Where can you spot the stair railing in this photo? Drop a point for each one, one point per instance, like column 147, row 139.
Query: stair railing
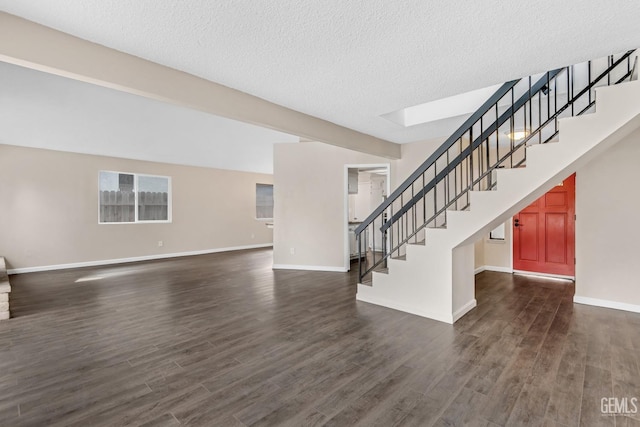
column 520, row 113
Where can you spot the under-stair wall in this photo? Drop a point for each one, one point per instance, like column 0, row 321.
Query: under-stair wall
column 607, row 235
column 436, row 279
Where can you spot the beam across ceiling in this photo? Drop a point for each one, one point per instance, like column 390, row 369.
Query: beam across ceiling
column 35, row 46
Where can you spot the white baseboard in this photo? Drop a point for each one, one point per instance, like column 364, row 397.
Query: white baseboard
column 493, row 268
column 309, row 267
column 441, row 317
column 131, row 259
column 464, row 309
column 607, row 304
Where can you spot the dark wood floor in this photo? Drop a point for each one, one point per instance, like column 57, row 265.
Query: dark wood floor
column 224, row 340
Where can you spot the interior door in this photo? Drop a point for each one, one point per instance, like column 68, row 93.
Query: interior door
column 544, row 232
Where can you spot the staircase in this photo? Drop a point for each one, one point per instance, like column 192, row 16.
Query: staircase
column 529, row 136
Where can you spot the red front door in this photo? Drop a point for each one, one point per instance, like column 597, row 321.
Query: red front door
column 544, row 232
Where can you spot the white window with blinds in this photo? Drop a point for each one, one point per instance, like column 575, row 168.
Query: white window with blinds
column 264, row 201
column 126, row 198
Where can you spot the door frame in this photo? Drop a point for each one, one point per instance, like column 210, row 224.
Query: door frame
column 345, row 201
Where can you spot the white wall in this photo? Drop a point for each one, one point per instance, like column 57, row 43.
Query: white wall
column 478, row 254
column 49, row 210
column 463, row 292
column 607, row 229
column 310, row 198
column 309, row 211
column 413, row 155
column 496, row 254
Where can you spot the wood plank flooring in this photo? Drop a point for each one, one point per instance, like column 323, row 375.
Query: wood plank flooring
column 222, row 340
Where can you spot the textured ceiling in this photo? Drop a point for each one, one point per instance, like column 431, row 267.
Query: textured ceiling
column 46, row 111
column 350, row 61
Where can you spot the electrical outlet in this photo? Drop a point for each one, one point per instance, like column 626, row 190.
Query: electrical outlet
column 292, row 251
column 253, row 236
column 160, row 243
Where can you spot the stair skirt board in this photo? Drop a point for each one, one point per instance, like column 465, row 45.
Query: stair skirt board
column 606, row 304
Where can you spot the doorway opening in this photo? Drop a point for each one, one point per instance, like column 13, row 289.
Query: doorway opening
column 366, row 186
column 544, row 233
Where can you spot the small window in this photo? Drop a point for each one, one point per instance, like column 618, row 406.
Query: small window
column 497, row 233
column 130, row 198
column 264, row 201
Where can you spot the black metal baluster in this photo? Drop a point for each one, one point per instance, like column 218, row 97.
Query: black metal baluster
column 511, row 128
column 447, row 181
column 406, row 226
column 383, row 242
column 435, row 193
column 413, row 211
column 366, row 243
column 469, row 183
column 555, row 95
column 454, row 200
column 548, row 100
column 424, row 204
column 589, row 80
column 571, row 82
column 540, row 115
column 530, row 108
column 481, row 155
column 497, row 143
column 486, row 170
column 400, row 232
column 391, row 246
column 374, row 261
column 359, row 238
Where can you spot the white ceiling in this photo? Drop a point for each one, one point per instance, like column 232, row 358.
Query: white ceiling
column 47, row 111
column 350, row 62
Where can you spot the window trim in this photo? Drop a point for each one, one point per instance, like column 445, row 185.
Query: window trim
column 169, row 219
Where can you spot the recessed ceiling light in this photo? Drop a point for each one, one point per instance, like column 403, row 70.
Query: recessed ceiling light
column 517, row 135
column 89, row 279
